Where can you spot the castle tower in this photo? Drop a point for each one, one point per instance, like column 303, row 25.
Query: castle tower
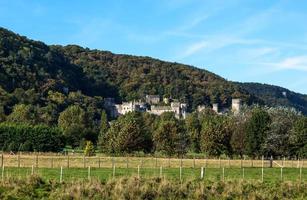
column 236, row 105
column 215, row 107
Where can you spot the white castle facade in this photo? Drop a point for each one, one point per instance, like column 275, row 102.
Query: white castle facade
column 154, row 105
column 151, row 105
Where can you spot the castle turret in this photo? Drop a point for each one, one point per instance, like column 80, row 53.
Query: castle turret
column 215, row 107
column 236, row 105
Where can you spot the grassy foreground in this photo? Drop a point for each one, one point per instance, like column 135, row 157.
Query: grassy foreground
column 35, row 187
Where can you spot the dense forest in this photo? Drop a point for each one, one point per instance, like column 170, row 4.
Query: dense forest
column 59, row 91
column 272, row 95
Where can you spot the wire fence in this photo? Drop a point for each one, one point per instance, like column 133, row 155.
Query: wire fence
column 72, row 167
column 77, row 161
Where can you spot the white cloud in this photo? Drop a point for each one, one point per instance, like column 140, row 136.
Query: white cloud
column 292, row 63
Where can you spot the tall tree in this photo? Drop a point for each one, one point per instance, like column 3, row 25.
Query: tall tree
column 193, row 129
column 23, row 114
column 125, row 135
column 256, row 132
column 298, row 139
column 277, row 140
column 73, row 123
column 215, row 135
column 171, row 137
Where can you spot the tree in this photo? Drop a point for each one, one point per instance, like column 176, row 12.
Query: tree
column 89, row 149
column 298, row 138
column 256, row 131
column 125, row 135
column 2, row 114
column 238, row 137
column 170, row 137
column 215, row 135
column 72, row 121
column 23, row 114
column 104, row 124
column 278, row 138
column 193, row 129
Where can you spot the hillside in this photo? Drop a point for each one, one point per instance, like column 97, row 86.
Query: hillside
column 31, row 65
column 274, row 95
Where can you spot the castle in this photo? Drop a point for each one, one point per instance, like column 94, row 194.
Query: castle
column 154, row 105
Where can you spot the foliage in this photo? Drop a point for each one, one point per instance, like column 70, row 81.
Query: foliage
column 89, row 149
column 24, row 114
column 298, row 138
column 72, row 121
column 22, row 137
column 238, row 137
column 275, row 96
column 125, row 135
column 278, row 136
column 215, row 135
column 256, row 131
column 170, row 137
column 193, row 126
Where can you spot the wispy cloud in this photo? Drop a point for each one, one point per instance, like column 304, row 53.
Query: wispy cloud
column 291, row 63
column 233, row 35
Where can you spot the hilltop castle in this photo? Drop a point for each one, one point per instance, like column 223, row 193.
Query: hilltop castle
column 154, row 105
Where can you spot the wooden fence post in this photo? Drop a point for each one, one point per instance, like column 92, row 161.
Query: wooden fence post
column 84, row 161
column 138, row 171
column 181, row 161
column 300, row 174
column 18, row 160
column 113, row 163
column 156, row 163
column 67, row 160
column 2, row 160
column 169, row 162
column 180, row 173
column 194, row 162
column 223, row 177
column 113, row 171
column 51, row 161
column 202, row 173
column 61, row 175
column 127, row 162
column 262, row 174
column 98, row 161
column 32, row 171
column 89, row 173
column 161, row 171
column 281, row 177
column 36, row 160
column 2, row 172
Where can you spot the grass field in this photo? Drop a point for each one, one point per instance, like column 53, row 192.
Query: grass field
column 75, row 167
column 213, row 174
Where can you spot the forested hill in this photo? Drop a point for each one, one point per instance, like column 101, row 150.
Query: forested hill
column 274, row 95
column 33, row 66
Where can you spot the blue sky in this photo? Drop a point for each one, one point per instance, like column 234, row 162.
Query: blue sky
column 241, row 40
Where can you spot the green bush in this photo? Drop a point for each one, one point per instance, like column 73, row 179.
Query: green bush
column 23, row 137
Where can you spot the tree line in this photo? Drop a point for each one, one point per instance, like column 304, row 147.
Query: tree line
column 255, row 131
